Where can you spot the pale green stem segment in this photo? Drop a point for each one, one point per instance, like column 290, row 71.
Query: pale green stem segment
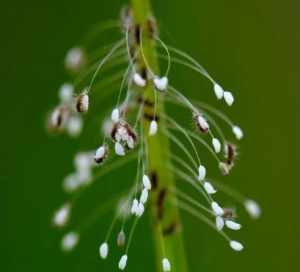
column 158, row 158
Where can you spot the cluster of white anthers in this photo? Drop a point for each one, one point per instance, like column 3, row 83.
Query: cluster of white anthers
column 67, row 116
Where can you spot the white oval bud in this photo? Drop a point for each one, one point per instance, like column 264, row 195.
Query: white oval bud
column 217, row 209
column 166, row 265
column 202, row 124
column 201, row 173
column 219, row 222
column 62, row 216
column 140, row 209
column 232, row 225
column 216, row 145
column 161, row 84
column 237, row 131
column 101, row 153
column 66, row 93
column 209, row 188
column 115, row 115
column 74, row 59
column 119, row 149
column 219, row 92
column 144, row 196
column 146, row 182
column 123, row 262
column 74, row 126
column 252, row 208
column 103, row 250
column 138, row 80
column 82, row 102
column 153, row 128
column 134, row 206
column 237, row 246
column 228, row 97
column 69, row 241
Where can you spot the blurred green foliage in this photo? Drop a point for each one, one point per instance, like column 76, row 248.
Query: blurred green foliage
column 251, row 47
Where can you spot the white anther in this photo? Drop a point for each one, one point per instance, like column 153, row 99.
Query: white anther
column 138, row 80
column 103, row 250
column 228, row 97
column 217, row 145
column 237, row 246
column 219, row 92
column 161, row 84
column 115, row 115
column 74, row 58
column 166, row 265
column 140, row 210
column 134, row 206
column 123, row 262
column 74, row 126
column 119, row 149
column 232, row 225
column 144, row 196
column 62, row 216
column 252, row 208
column 153, row 128
column 237, row 131
column 217, row 208
column 201, row 173
column 202, row 123
column 209, row 188
column 146, row 182
column 100, row 154
column 219, row 222
column 69, row 241
column 82, row 103
column 71, row 183
column 66, row 93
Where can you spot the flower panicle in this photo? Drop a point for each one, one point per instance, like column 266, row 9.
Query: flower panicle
column 124, row 134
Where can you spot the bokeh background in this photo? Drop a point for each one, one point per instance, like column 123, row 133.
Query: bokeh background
column 252, row 47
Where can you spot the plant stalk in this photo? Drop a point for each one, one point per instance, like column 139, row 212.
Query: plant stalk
column 165, row 219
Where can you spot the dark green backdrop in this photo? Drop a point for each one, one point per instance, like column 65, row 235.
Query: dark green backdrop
column 252, row 47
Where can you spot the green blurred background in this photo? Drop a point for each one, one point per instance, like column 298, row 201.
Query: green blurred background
column 251, row 47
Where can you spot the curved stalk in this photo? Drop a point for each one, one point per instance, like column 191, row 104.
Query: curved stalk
column 165, row 215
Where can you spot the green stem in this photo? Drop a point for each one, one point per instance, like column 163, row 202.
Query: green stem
column 166, row 215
